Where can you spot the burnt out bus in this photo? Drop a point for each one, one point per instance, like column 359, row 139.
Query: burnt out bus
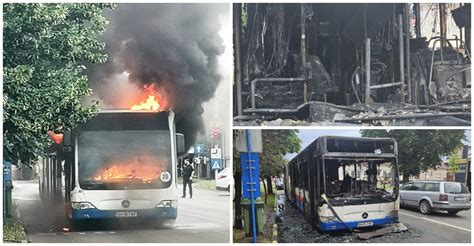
column 345, row 182
column 119, row 164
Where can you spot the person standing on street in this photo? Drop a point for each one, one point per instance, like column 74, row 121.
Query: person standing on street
column 188, row 172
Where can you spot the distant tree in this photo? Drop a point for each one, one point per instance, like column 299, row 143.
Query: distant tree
column 453, row 161
column 46, row 48
column 419, row 150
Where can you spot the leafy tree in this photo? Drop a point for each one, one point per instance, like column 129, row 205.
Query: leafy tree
column 276, row 144
column 46, row 48
column 419, row 150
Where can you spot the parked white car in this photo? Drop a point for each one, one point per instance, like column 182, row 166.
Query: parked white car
column 428, row 196
column 224, row 180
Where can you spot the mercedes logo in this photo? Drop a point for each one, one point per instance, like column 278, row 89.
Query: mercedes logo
column 125, row 203
column 365, row 215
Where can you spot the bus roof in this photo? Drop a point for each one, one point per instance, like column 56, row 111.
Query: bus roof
column 351, row 147
column 123, row 120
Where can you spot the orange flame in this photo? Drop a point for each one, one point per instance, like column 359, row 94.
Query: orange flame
column 146, row 172
column 152, row 101
column 149, row 104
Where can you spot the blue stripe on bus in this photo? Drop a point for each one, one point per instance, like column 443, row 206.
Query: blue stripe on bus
column 94, row 213
column 337, row 225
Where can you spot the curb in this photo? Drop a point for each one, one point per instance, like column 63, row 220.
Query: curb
column 18, row 216
column 275, row 225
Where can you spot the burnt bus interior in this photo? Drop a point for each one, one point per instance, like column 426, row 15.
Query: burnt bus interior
column 354, row 179
column 350, row 63
column 345, row 170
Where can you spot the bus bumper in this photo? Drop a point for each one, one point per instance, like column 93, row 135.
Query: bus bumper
column 154, row 213
column 337, row 225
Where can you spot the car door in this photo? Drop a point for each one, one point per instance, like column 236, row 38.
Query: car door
column 405, row 193
column 412, row 194
column 418, row 191
column 431, row 191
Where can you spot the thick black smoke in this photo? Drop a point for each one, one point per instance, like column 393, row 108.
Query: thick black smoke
column 173, row 46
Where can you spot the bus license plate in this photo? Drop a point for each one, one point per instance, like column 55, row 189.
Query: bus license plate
column 126, row 214
column 365, row 224
column 459, row 199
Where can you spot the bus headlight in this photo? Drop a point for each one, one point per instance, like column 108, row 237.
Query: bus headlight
column 167, row 204
column 82, row 205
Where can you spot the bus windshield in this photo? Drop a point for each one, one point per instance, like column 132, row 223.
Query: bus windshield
column 354, row 180
column 124, row 160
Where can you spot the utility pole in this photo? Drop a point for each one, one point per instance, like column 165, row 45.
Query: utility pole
column 249, row 144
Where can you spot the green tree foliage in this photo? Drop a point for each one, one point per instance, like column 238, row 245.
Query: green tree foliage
column 419, row 150
column 46, row 48
column 276, row 144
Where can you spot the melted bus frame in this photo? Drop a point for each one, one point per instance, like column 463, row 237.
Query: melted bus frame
column 312, row 179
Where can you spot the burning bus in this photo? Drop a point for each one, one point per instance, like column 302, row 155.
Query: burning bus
column 345, row 182
column 119, row 164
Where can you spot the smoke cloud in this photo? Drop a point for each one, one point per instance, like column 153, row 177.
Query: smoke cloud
column 174, row 47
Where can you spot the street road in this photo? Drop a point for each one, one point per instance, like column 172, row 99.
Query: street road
column 438, row 227
column 204, row 218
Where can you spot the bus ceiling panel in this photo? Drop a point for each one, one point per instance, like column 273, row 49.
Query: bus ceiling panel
column 127, row 120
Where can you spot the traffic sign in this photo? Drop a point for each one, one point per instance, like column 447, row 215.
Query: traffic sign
column 216, row 133
column 216, row 164
column 199, row 149
column 216, row 153
column 216, row 124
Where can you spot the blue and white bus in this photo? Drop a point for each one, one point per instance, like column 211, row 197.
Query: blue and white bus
column 119, row 164
column 345, row 182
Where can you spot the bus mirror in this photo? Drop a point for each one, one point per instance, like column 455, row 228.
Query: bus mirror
column 66, row 144
column 180, row 144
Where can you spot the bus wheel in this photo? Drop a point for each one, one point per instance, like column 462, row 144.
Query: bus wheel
column 425, row 207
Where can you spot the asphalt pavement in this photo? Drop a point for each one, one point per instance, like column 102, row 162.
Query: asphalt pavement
column 438, row 227
column 202, row 219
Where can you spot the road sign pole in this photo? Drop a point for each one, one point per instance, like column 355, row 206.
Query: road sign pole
column 254, row 227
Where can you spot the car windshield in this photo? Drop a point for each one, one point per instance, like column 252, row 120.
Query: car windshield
column 124, row 159
column 455, row 188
